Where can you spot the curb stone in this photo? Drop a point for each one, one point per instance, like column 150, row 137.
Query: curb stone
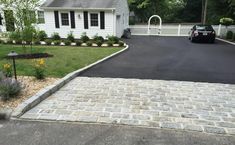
column 47, row 91
column 232, row 43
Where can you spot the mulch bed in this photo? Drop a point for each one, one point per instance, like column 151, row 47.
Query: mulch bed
column 30, row 87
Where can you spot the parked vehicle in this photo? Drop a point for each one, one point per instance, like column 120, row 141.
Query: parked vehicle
column 202, row 33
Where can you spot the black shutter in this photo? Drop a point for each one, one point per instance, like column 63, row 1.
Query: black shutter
column 72, row 19
column 85, row 19
column 102, row 20
column 1, row 19
column 57, row 23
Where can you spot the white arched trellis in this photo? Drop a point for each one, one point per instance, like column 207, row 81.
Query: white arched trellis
column 160, row 23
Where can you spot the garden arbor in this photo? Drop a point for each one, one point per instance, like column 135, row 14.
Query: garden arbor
column 160, row 24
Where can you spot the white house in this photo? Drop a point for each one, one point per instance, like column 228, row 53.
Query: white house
column 95, row 17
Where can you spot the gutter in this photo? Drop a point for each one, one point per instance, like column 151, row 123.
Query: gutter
column 74, row 8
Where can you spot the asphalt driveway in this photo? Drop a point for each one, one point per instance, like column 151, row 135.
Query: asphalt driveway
column 171, row 58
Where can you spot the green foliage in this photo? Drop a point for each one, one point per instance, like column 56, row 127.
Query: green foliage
column 39, row 69
column 67, row 42
column 84, row 38
column 226, row 21
column 229, row 35
column 110, row 43
column 28, row 34
column 48, row 41
column 98, row 38
column 42, row 35
column 233, row 39
column 9, row 88
column 9, row 41
column 57, row 42
column 99, row 42
column 70, row 37
column 37, row 42
column 120, row 43
column 114, row 39
column 78, row 42
column 55, row 36
column 89, row 43
column 7, row 70
column 1, row 41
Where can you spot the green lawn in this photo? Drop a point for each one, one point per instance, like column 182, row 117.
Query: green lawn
column 66, row 58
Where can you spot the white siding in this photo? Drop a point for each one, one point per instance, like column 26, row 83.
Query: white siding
column 49, row 25
column 122, row 16
column 2, row 27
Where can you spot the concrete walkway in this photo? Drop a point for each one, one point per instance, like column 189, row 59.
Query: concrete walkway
column 202, row 107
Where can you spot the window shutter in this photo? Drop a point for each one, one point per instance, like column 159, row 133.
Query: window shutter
column 1, row 19
column 72, row 19
column 57, row 23
column 85, row 13
column 102, row 20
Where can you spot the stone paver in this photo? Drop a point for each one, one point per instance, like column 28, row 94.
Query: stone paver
column 203, row 107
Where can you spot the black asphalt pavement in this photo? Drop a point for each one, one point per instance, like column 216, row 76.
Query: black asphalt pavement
column 45, row 133
column 171, row 58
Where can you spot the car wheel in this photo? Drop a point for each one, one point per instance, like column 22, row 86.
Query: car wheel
column 212, row 41
column 192, row 39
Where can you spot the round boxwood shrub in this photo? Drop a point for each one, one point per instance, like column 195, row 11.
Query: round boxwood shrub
column 55, row 36
column 67, row 42
column 99, row 42
column 98, row 38
column 42, row 35
column 9, row 41
column 70, row 37
column 229, row 35
column 48, row 41
column 114, row 39
column 89, row 43
column 84, row 38
column 57, row 42
column 1, row 41
column 78, row 42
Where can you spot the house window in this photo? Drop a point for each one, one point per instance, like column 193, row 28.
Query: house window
column 65, row 19
column 1, row 18
column 94, row 20
column 41, row 19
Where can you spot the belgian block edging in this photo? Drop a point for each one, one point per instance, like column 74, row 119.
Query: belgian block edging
column 47, row 91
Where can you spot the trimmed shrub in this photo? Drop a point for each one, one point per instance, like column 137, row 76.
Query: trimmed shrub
column 98, row 38
column 48, row 41
column 110, row 43
column 113, row 38
column 84, row 38
column 226, row 21
column 55, row 36
column 120, row 43
column 78, row 42
column 233, row 37
column 37, row 42
column 9, row 88
column 57, row 42
column 16, row 36
column 18, row 42
column 229, row 35
column 99, row 42
column 9, row 42
column 67, row 42
column 42, row 35
column 1, row 41
column 89, row 43
column 70, row 37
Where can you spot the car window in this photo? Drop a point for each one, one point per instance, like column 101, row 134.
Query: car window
column 204, row 28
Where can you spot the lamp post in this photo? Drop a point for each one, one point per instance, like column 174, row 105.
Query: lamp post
column 12, row 55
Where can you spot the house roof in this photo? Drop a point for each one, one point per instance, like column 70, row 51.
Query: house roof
column 83, row 4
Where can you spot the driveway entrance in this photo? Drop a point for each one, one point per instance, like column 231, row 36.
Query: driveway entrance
column 171, row 58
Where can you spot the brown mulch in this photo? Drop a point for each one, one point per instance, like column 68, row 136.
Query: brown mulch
column 30, row 87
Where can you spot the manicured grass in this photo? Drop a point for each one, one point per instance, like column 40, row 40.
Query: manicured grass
column 66, row 58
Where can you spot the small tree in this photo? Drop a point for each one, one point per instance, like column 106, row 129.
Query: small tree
column 226, row 22
column 24, row 17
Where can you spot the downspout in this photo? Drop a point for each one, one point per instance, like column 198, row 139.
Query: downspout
column 114, row 23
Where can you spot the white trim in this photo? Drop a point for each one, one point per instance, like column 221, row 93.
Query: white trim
column 74, row 8
column 60, row 17
column 232, row 43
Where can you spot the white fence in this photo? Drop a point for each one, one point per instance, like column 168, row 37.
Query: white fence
column 173, row 30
